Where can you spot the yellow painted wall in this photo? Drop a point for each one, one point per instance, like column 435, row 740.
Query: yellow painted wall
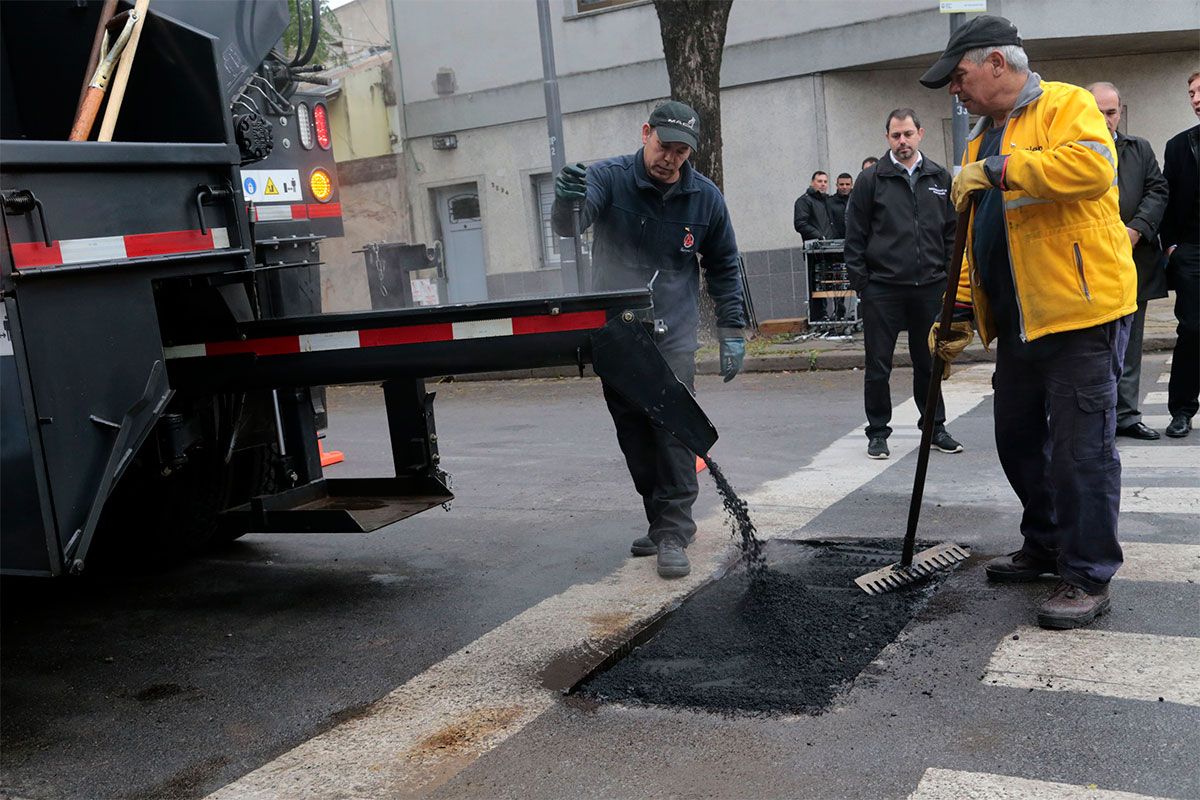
column 358, row 116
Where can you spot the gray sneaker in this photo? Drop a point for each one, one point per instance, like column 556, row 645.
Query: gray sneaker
column 672, row 558
column 946, row 443
column 645, row 546
column 877, row 448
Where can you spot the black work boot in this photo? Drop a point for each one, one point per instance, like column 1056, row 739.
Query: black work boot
column 645, row 546
column 1018, row 567
column 672, row 558
column 1071, row 607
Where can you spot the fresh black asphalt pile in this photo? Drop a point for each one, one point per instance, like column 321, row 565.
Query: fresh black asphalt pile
column 781, row 639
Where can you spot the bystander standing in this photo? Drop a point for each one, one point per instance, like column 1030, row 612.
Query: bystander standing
column 1180, row 234
column 1143, row 198
column 812, row 215
column 899, row 236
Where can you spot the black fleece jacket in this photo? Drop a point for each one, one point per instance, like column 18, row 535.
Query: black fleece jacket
column 896, row 232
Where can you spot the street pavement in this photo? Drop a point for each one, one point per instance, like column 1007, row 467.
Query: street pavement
column 428, row 660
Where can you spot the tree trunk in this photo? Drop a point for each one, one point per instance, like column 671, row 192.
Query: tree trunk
column 693, row 38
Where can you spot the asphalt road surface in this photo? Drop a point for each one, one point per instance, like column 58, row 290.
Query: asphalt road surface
column 428, row 659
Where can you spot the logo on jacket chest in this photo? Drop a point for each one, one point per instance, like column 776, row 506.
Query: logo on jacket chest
column 689, row 241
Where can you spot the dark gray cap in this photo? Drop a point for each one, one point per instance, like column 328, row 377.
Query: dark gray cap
column 676, row 122
column 982, row 31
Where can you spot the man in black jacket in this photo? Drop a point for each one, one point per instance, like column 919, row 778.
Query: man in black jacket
column 1143, row 197
column 899, row 237
column 838, row 202
column 654, row 216
column 812, row 215
column 1180, row 234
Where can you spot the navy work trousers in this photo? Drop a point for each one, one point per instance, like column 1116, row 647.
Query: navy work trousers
column 1056, row 421
column 663, row 469
column 886, row 310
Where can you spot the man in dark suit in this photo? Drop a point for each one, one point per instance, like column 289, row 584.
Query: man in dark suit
column 1143, row 198
column 1180, row 235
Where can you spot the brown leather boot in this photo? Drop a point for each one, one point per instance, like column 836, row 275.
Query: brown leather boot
column 1071, row 607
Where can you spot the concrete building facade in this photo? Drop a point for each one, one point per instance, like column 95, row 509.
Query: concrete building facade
column 364, row 121
column 805, row 85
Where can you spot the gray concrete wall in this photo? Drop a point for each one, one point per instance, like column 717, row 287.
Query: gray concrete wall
column 807, row 86
column 615, row 57
column 494, row 43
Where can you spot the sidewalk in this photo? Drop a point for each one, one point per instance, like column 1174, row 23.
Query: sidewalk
column 806, row 353
column 800, row 354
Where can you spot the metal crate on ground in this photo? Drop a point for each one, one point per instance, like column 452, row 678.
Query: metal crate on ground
column 832, row 304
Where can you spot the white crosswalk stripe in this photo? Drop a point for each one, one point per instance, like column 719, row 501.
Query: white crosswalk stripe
column 1160, row 499
column 1168, row 563
column 1156, row 421
column 1155, row 399
column 1132, row 666
column 949, row 784
column 1183, row 461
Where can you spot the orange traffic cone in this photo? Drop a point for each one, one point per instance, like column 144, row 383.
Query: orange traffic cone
column 330, row 458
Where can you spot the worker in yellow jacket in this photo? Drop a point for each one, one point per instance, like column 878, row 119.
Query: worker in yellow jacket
column 1049, row 276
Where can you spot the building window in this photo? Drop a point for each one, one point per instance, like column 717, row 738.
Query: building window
column 543, row 192
column 584, row 6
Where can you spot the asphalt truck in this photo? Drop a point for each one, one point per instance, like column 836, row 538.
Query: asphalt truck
column 162, row 343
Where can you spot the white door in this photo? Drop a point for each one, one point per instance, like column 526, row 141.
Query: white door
column 462, row 243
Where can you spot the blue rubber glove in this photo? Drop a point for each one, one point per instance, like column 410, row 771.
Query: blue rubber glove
column 571, row 183
column 733, row 353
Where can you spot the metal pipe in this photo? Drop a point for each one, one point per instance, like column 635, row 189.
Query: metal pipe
column 959, row 120
column 567, row 247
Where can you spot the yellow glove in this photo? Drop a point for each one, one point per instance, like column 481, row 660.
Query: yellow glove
column 961, row 335
column 972, row 178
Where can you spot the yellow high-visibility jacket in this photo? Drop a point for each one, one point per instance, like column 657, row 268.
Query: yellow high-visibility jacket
column 1071, row 259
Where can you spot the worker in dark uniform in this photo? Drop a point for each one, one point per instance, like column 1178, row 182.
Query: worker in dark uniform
column 654, row 215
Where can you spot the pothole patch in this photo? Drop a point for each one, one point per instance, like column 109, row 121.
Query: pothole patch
column 786, row 641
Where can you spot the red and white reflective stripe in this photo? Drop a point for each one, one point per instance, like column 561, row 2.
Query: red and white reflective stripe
column 403, row 334
column 31, row 255
column 283, row 212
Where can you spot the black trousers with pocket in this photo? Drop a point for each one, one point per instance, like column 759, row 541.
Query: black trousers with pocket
column 886, row 310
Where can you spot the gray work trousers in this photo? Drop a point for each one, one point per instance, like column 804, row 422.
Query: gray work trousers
column 662, row 468
column 1131, row 375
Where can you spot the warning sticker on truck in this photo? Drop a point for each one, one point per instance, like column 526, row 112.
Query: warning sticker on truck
column 271, row 185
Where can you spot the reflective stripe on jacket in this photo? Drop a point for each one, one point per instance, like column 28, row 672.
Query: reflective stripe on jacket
column 1070, row 256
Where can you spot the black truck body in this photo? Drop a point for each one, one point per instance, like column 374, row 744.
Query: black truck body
column 162, row 340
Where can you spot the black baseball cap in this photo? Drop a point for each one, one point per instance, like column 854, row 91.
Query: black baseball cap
column 676, row 122
column 983, row 31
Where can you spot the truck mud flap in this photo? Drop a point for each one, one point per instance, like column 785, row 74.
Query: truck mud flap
column 626, row 358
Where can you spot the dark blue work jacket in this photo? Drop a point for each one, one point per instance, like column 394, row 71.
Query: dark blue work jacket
column 640, row 231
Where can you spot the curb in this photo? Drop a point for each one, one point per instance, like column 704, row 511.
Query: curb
column 825, row 360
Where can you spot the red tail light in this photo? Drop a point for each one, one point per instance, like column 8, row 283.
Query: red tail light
column 321, row 124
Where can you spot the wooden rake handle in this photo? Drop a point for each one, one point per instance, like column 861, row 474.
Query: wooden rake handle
column 121, row 80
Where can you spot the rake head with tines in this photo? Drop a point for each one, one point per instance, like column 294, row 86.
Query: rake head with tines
column 924, row 564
